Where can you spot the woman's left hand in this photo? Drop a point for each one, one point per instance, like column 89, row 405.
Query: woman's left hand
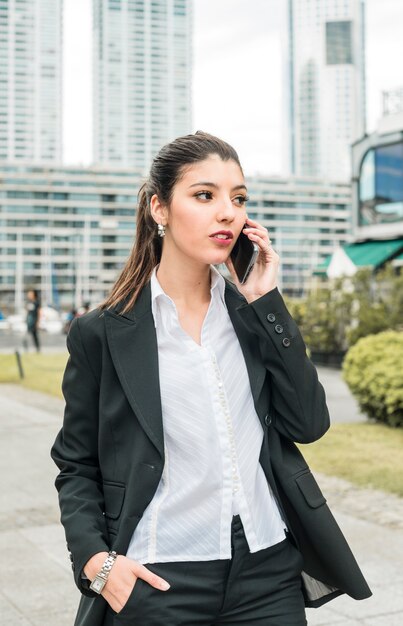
column 263, row 277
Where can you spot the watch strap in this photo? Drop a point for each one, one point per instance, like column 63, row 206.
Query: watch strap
column 101, row 577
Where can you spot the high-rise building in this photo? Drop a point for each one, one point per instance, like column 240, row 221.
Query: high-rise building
column 30, row 80
column 326, row 85
column 142, row 78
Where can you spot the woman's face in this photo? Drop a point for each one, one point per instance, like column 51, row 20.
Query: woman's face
column 207, row 212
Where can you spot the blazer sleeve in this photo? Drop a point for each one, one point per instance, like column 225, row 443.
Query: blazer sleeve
column 298, row 404
column 75, row 452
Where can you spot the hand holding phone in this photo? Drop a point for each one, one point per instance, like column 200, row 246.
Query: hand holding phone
column 243, row 256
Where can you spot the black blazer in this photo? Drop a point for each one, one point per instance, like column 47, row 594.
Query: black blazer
column 110, row 451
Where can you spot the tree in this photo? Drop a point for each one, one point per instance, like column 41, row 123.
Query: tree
column 335, row 316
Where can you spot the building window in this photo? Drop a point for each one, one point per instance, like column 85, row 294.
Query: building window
column 381, row 185
column 339, row 49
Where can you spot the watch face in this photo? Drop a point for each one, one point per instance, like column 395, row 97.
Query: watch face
column 97, row 585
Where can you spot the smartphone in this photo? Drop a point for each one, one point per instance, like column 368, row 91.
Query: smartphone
column 243, row 256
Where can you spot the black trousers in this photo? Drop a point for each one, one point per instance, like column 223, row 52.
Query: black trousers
column 251, row 589
column 34, row 333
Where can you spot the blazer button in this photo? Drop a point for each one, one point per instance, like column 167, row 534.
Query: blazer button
column 267, row 420
column 271, row 318
column 286, row 342
column 278, row 328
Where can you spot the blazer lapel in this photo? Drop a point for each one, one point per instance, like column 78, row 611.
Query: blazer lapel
column 132, row 342
column 133, row 346
column 250, row 347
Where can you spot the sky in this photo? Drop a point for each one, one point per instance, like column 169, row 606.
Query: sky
column 238, row 75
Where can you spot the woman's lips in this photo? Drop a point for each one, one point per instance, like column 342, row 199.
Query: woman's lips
column 222, row 237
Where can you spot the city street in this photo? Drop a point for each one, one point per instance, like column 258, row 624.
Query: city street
column 9, row 341
column 36, row 585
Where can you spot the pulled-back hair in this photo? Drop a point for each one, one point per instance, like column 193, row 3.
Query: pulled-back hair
column 167, row 168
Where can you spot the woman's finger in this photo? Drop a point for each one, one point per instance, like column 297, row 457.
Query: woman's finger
column 264, row 243
column 150, row 578
column 263, row 234
column 254, row 224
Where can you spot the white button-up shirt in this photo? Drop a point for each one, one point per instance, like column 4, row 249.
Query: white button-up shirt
column 213, row 438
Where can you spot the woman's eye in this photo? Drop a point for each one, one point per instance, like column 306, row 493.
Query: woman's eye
column 241, row 200
column 204, row 195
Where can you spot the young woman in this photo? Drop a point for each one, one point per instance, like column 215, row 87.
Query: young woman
column 183, row 496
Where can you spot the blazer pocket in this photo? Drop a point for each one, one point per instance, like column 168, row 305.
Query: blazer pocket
column 310, row 490
column 114, row 494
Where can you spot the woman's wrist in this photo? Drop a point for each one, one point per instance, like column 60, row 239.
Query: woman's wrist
column 94, row 565
column 252, row 297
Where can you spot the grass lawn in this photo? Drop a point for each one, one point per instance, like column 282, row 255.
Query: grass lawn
column 42, row 372
column 366, row 454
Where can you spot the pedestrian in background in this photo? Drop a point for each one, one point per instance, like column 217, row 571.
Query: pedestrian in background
column 69, row 318
column 33, row 308
column 183, row 496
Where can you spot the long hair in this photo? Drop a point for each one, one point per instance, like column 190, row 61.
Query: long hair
column 166, row 170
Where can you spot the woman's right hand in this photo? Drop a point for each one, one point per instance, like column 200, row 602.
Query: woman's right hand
column 122, row 578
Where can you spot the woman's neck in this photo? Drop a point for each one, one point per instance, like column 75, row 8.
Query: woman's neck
column 185, row 283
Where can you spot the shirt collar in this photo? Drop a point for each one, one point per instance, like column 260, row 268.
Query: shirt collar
column 217, row 284
column 217, row 290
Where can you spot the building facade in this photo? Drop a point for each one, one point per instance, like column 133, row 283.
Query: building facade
column 31, row 80
column 68, row 231
column 326, row 84
column 65, row 231
column 377, row 198
column 307, row 219
column 378, row 182
column 142, row 59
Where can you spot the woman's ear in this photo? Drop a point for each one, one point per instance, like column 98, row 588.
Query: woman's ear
column 158, row 210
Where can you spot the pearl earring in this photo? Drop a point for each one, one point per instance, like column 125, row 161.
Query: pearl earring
column 161, row 230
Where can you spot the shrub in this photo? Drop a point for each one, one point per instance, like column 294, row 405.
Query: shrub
column 334, row 316
column 321, row 319
column 373, row 369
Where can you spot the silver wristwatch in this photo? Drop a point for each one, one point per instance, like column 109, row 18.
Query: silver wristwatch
column 100, row 579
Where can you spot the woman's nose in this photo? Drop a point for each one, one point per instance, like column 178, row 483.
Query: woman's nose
column 226, row 210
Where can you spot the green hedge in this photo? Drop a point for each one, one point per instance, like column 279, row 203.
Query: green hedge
column 373, row 369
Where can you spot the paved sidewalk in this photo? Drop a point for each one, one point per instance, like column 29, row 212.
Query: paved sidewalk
column 36, row 585
column 342, row 405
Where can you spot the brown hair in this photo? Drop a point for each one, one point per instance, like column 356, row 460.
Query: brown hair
column 166, row 170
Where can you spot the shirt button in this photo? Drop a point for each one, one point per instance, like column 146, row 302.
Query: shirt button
column 278, row 328
column 267, row 420
column 271, row 318
column 286, row 342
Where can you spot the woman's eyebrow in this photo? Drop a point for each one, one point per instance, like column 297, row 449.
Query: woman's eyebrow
column 215, row 186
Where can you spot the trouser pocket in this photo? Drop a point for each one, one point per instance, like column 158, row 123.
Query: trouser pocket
column 131, row 607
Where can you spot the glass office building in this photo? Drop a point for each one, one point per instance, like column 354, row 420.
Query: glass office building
column 377, row 200
column 380, row 189
column 30, row 80
column 68, row 231
column 326, row 85
column 142, row 59
column 378, row 181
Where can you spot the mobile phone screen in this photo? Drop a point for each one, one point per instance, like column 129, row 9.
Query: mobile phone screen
column 243, row 256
